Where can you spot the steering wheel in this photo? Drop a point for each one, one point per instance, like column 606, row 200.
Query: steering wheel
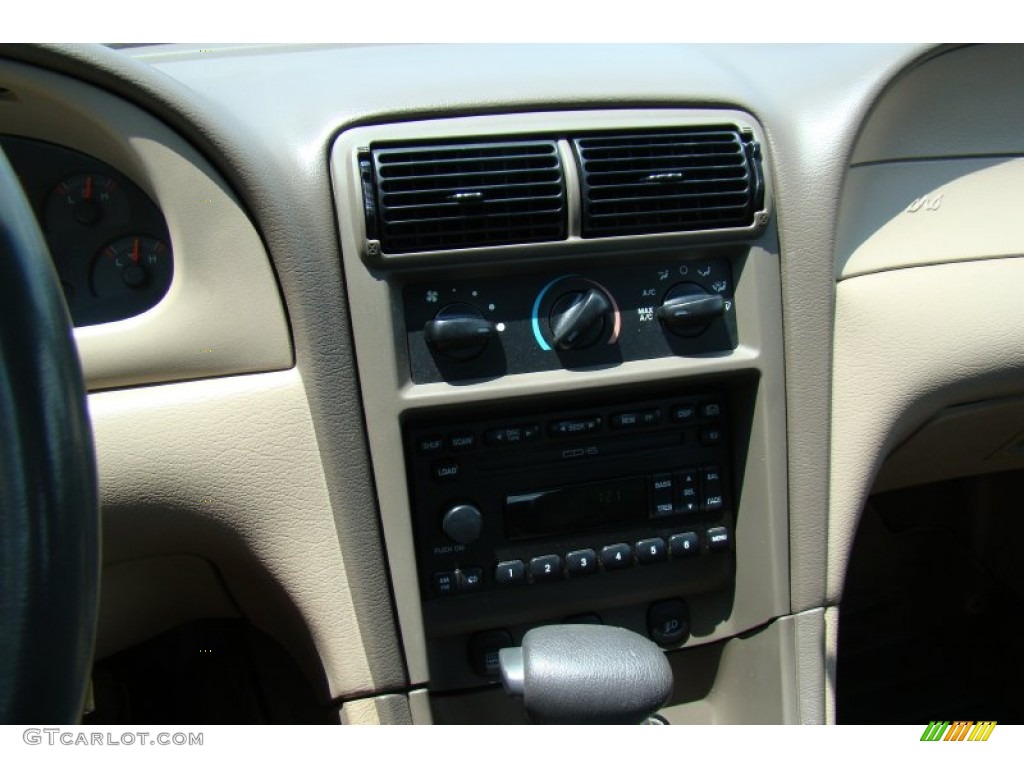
column 49, row 507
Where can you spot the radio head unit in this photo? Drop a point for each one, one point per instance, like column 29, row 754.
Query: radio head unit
column 580, row 509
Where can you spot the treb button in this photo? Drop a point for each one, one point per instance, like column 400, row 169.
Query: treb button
column 663, row 495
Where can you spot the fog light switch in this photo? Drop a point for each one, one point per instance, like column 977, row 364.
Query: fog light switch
column 668, row 622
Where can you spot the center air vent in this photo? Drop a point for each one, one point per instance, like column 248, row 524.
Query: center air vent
column 426, row 198
column 668, row 181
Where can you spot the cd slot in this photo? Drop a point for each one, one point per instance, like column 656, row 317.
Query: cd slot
column 582, row 451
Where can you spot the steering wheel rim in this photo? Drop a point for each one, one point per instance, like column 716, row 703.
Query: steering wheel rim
column 49, row 508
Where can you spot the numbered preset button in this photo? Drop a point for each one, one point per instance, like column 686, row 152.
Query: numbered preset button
column 684, row 545
column 581, row 562
column 510, row 572
column 650, row 550
column 616, row 556
column 546, row 568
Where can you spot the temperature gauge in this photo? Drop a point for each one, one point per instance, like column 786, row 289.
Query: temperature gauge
column 133, row 266
column 86, row 200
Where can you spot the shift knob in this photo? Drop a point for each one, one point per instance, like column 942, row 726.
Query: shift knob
column 587, row 674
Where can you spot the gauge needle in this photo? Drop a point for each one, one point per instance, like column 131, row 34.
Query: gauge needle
column 135, row 250
column 87, row 192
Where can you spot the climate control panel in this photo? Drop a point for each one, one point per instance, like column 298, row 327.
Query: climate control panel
column 460, row 330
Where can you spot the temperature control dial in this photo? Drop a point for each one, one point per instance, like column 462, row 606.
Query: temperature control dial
column 579, row 319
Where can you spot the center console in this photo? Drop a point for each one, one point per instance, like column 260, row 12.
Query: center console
column 568, row 333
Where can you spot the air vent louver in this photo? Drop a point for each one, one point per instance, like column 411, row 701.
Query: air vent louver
column 668, row 181
column 466, row 195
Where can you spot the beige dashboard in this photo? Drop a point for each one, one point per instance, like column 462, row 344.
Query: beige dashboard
column 250, row 427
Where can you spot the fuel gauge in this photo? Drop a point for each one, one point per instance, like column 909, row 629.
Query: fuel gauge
column 136, row 268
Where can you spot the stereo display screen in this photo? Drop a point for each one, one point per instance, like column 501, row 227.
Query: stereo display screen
column 575, row 508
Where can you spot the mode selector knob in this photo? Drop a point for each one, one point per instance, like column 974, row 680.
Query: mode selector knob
column 687, row 309
column 462, row 523
column 578, row 318
column 459, row 332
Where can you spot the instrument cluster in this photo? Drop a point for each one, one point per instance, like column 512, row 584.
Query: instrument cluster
column 108, row 240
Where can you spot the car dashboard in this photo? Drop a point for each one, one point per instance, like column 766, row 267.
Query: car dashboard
column 391, row 369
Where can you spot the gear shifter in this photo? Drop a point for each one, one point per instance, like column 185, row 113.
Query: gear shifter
column 586, row 674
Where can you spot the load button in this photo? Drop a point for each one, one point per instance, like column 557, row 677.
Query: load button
column 446, row 471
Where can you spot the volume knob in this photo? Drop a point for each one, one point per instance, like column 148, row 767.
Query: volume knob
column 462, row 523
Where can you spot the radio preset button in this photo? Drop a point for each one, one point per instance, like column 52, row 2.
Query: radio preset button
column 684, row 544
column 650, row 550
column 430, row 445
column 546, row 568
column 718, row 538
column 616, row 556
column 581, row 562
column 573, row 427
column 462, row 441
column 510, row 572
